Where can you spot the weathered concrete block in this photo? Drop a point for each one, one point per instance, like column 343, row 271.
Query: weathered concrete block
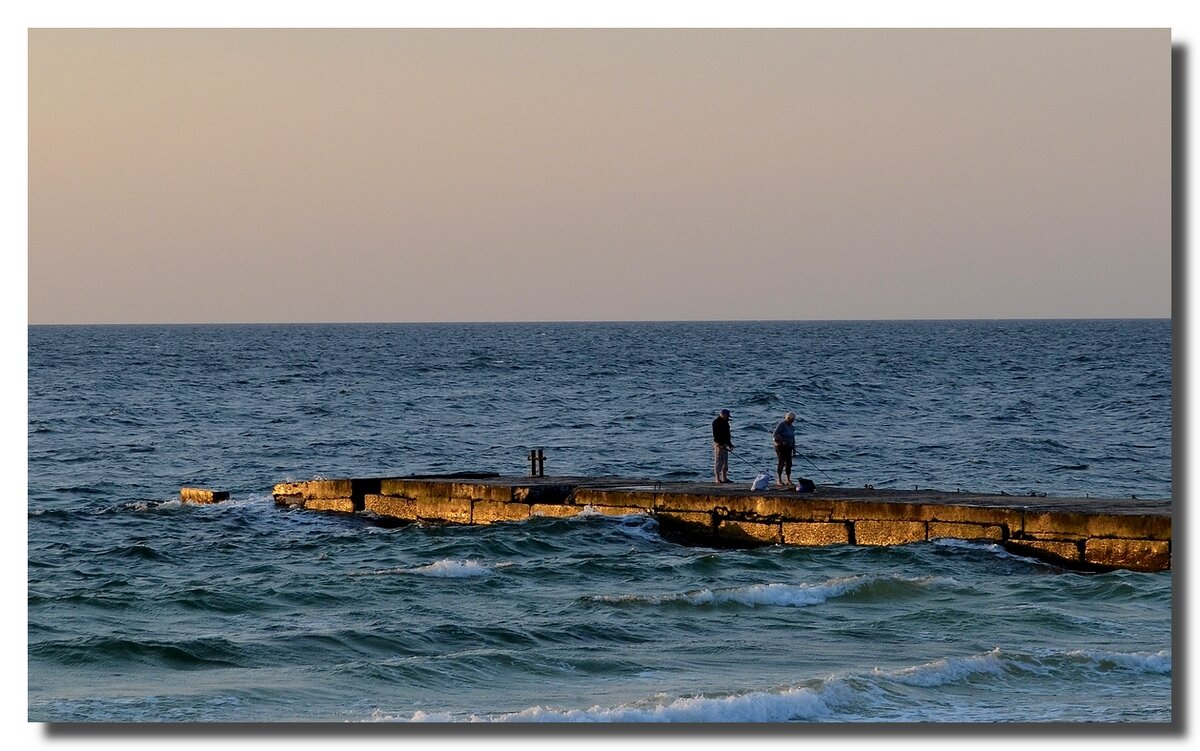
column 486, row 512
column 880, row 511
column 1047, row 549
column 554, row 509
column 743, row 531
column 481, row 492
column 343, row 505
column 202, row 495
column 878, row 532
column 404, row 488
column 628, row 499
column 548, row 494
column 1006, row 517
column 1136, row 555
column 965, row 531
column 316, row 488
column 687, row 502
column 789, row 509
column 1052, row 537
column 693, row 524
column 446, row 510
column 1069, row 524
column 391, row 506
column 803, row 510
column 816, row 533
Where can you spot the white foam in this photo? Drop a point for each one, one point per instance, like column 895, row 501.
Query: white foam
column 641, row 527
column 954, row 542
column 590, row 510
column 450, row 568
column 761, row 706
column 418, row 716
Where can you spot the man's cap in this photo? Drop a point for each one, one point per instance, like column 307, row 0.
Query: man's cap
column 725, row 413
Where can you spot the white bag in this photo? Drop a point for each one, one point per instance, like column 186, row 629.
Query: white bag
column 761, row 482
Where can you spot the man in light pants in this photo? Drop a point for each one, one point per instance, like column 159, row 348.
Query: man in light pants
column 722, row 443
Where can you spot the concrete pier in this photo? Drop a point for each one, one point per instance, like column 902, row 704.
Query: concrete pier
column 1089, row 534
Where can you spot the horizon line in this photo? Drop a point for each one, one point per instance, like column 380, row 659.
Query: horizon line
column 606, row 321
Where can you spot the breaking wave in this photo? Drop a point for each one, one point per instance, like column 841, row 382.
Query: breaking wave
column 850, row 697
column 453, row 569
column 789, row 595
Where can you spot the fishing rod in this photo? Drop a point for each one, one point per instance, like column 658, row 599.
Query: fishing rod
column 805, row 458
column 747, row 461
column 794, row 453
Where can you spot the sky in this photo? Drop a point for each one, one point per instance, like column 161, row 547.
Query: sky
column 324, row 175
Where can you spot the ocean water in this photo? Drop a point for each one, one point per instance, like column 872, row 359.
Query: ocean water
column 144, row 610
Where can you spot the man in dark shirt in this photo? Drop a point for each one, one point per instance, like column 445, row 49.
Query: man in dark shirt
column 722, row 443
column 785, row 446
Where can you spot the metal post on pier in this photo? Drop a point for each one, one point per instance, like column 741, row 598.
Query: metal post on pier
column 537, row 463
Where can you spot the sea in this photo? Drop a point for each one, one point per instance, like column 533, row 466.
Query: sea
column 143, row 610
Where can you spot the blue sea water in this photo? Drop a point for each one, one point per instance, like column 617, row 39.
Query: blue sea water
column 143, row 610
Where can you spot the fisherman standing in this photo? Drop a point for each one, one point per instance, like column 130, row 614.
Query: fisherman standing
column 722, row 445
column 785, row 446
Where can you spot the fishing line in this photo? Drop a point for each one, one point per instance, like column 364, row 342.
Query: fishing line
column 805, row 458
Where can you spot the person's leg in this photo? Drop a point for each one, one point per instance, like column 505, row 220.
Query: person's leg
column 716, row 462
column 787, row 467
column 780, row 460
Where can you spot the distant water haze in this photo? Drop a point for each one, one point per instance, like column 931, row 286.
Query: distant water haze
column 266, row 175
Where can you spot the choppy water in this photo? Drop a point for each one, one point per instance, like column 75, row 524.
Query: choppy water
column 141, row 609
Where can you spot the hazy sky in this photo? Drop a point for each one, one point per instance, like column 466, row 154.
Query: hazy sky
column 499, row 175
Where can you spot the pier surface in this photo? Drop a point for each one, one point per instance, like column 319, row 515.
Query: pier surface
column 1083, row 533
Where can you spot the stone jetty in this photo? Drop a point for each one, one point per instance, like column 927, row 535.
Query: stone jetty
column 1082, row 533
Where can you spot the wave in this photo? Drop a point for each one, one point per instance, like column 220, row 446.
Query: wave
column 48, row 514
column 112, row 651
column 635, row 524
column 947, row 670
column 989, row 547
column 1155, row 663
column 782, row 706
column 141, row 506
column 851, row 697
column 453, row 569
column 139, row 551
column 789, row 595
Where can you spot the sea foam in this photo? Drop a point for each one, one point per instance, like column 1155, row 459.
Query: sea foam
column 453, row 569
column 761, row 706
